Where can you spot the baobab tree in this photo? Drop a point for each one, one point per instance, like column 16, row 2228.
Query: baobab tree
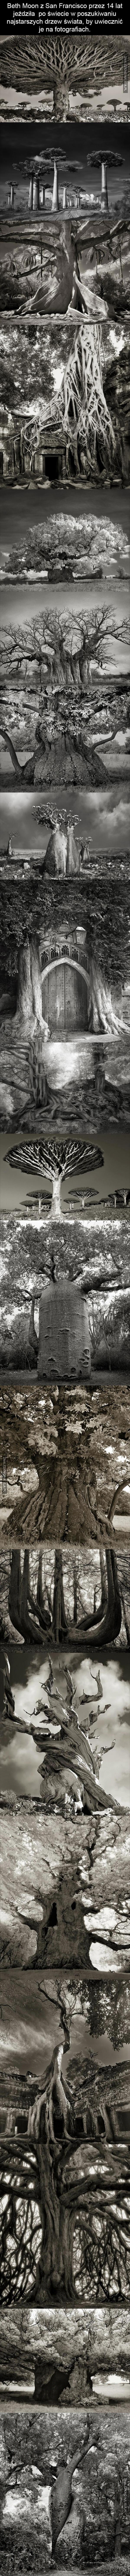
column 23, row 771
column 63, row 660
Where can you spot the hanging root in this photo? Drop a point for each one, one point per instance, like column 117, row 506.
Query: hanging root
column 90, row 437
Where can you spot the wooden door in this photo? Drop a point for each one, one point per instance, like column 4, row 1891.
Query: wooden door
column 64, row 998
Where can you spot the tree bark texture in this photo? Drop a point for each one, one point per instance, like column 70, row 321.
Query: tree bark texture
column 43, row 1435
column 95, row 1254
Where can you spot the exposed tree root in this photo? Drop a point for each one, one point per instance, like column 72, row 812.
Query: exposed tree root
column 91, row 445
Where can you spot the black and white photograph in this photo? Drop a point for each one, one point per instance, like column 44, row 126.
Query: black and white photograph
column 70, row 1600
column 63, row 1754
column 65, row 1463
column 71, row 647
column 65, row 1299
column 67, row 1890
column 65, row 1296
column 72, row 2356
column 65, row 70
column 65, row 222
column 64, row 1001
column 64, row 409
column 67, row 535
column 64, row 2182
column 61, row 2484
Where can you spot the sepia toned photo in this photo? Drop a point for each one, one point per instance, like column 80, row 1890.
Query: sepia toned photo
column 65, row 1294
column 67, row 1463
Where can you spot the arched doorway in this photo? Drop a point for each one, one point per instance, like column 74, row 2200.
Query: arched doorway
column 66, row 998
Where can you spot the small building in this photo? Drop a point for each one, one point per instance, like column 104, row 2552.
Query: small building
column 49, row 456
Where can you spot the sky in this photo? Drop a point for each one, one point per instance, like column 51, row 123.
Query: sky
column 23, row 2040
column 30, row 2041
column 23, row 509
column 103, row 816
column 20, row 606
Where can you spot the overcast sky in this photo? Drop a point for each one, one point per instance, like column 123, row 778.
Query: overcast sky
column 104, row 817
